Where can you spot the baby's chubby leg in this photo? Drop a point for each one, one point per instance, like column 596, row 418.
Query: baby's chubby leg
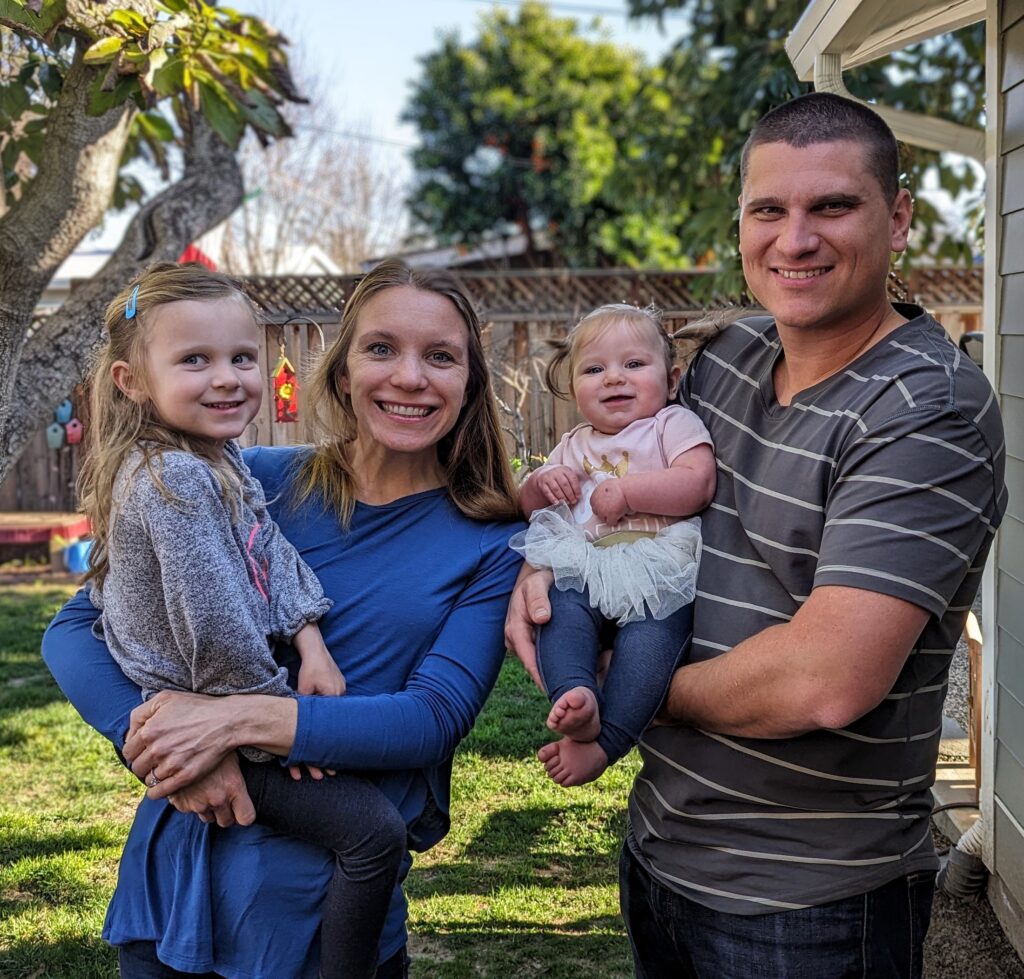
column 576, row 714
column 567, row 652
column 571, row 762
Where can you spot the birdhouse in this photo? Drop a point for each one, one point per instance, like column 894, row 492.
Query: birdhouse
column 55, row 435
column 64, row 411
column 286, row 391
column 73, row 431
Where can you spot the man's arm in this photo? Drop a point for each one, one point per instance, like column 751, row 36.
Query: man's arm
column 833, row 662
column 528, row 607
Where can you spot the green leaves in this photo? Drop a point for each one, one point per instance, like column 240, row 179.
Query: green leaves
column 730, row 67
column 231, row 66
column 528, row 128
column 153, row 58
column 537, row 127
column 36, row 20
column 103, row 51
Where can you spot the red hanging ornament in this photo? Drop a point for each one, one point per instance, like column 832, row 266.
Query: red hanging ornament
column 74, row 431
column 286, row 390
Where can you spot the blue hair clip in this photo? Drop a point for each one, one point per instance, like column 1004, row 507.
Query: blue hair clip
column 129, row 309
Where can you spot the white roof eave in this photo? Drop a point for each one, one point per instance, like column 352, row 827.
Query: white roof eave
column 863, row 30
column 832, row 35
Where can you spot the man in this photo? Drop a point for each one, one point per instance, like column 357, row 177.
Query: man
column 780, row 824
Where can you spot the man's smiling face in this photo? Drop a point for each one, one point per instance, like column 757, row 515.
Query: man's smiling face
column 816, row 233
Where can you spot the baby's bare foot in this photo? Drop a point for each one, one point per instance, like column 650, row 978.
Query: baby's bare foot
column 576, row 715
column 571, row 762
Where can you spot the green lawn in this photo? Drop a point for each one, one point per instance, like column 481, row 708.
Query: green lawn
column 523, row 885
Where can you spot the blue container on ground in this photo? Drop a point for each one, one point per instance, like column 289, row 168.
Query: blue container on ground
column 76, row 556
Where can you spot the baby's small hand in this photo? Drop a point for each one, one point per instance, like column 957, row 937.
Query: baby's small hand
column 608, row 501
column 559, row 484
column 320, row 675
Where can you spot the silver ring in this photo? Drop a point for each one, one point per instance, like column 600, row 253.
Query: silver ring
column 151, row 780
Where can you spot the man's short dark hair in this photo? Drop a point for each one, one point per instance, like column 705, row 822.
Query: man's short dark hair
column 822, row 117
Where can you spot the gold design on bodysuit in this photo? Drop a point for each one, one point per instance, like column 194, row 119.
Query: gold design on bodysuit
column 618, row 469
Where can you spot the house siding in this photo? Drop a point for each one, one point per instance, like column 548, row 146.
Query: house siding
column 1007, row 744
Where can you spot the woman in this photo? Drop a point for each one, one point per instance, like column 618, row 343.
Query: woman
column 403, row 509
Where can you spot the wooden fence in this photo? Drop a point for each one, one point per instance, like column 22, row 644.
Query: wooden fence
column 43, row 479
column 522, row 309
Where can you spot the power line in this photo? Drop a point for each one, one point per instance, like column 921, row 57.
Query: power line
column 573, row 8
column 349, row 134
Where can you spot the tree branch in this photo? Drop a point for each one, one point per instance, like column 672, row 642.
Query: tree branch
column 67, row 198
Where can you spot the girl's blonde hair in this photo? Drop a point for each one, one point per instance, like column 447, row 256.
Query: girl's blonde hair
column 120, row 425
column 477, row 472
column 594, row 324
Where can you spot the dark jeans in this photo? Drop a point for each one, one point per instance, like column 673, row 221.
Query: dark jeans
column 645, row 655
column 878, row 935
column 137, row 960
column 351, row 816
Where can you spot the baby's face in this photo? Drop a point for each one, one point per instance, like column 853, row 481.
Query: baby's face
column 619, row 376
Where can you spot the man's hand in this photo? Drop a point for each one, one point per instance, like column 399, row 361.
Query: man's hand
column 177, row 738
column 219, row 797
column 608, row 501
column 528, row 607
column 558, row 484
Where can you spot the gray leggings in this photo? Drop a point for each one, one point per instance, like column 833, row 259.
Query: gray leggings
column 351, row 816
column 645, row 656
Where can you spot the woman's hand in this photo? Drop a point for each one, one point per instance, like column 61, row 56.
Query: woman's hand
column 528, row 607
column 219, row 797
column 177, row 738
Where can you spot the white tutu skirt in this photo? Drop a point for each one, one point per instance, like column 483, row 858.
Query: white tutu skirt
column 652, row 576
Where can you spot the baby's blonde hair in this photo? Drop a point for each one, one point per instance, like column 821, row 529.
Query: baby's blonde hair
column 594, row 324
column 119, row 424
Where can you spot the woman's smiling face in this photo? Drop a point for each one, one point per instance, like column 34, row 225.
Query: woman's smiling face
column 406, row 371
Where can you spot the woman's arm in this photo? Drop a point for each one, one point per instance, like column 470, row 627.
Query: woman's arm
column 105, row 698
column 86, row 672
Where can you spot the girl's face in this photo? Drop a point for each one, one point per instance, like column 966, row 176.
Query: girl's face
column 202, row 372
column 619, row 375
column 406, row 371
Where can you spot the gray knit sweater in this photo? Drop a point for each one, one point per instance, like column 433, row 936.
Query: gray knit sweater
column 193, row 601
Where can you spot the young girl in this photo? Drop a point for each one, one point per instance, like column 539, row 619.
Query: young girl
column 621, row 556
column 195, row 581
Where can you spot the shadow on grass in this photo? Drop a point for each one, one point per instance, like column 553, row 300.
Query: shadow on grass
column 21, row 843
column 68, row 958
column 592, row 947
column 48, row 881
column 38, row 690
column 511, row 725
column 32, row 695
column 533, row 847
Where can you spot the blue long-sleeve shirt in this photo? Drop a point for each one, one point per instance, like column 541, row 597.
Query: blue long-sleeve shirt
column 420, row 593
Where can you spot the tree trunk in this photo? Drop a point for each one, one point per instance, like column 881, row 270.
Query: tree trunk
column 57, row 355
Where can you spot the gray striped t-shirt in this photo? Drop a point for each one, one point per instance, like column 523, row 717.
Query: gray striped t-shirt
column 887, row 476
